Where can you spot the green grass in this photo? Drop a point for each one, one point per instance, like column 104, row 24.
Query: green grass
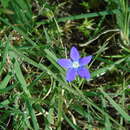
column 34, row 94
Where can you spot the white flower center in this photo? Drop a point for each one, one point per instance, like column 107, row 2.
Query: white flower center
column 75, row 64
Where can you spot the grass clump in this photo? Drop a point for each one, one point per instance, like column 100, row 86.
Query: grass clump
column 34, row 93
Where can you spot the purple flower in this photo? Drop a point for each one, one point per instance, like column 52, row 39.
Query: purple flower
column 76, row 65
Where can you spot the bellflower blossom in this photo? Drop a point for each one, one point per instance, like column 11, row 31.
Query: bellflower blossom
column 76, row 65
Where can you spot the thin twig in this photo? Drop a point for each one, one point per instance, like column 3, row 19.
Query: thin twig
column 89, row 42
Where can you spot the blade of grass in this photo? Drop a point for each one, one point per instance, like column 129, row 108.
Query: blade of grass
column 81, row 16
column 115, row 105
column 5, row 81
column 75, row 127
column 108, row 124
column 60, row 108
column 21, row 78
column 32, row 114
column 4, row 55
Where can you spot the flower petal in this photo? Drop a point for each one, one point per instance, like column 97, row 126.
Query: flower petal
column 66, row 63
column 85, row 60
column 71, row 74
column 74, row 54
column 84, row 73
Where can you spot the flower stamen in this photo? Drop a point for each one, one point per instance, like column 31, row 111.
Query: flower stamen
column 75, row 64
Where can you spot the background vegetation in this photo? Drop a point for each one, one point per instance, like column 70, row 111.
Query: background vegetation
column 33, row 92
